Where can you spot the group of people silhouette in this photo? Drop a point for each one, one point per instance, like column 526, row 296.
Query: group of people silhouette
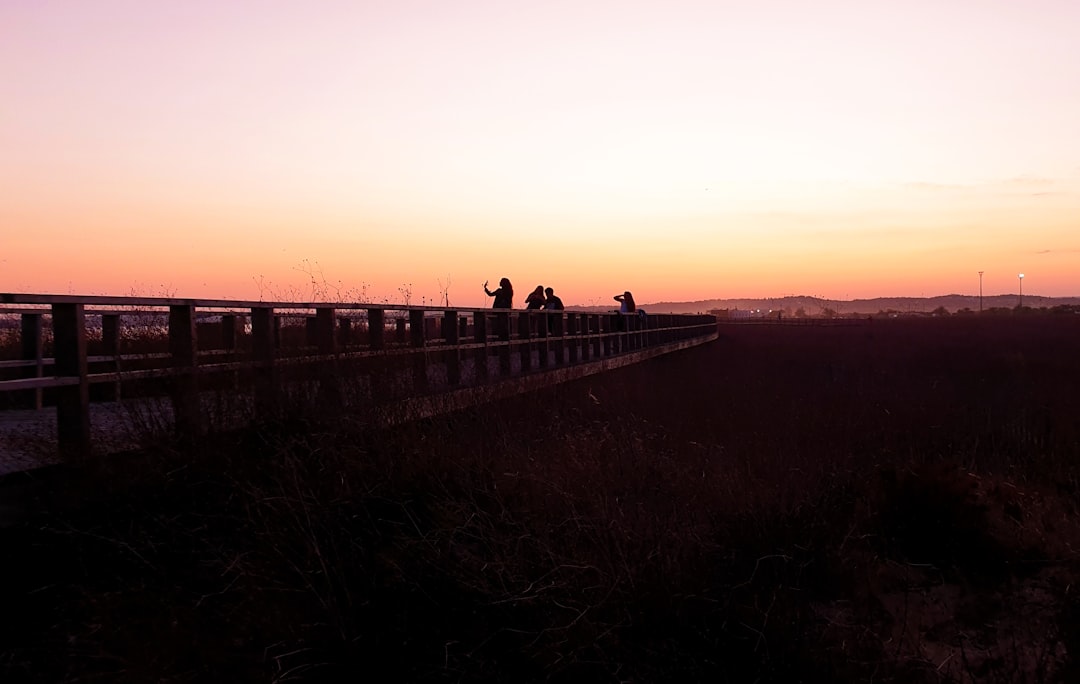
column 545, row 298
column 540, row 298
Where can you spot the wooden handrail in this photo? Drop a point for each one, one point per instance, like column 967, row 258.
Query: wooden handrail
column 458, row 342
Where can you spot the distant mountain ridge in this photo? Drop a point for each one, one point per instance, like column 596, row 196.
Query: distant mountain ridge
column 813, row 306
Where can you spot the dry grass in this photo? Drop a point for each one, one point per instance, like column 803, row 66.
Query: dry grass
column 891, row 502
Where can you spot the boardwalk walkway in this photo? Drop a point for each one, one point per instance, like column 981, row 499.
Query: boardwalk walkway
column 28, row 437
column 403, row 385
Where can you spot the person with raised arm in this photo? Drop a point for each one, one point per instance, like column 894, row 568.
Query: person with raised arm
column 504, row 296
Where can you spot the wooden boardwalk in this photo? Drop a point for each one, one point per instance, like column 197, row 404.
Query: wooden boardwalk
column 205, row 365
column 28, row 437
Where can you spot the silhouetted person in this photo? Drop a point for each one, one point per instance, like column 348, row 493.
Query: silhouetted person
column 504, row 296
column 626, row 306
column 551, row 301
column 535, row 300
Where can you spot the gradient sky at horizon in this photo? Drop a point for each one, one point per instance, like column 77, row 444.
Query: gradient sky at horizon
column 683, row 150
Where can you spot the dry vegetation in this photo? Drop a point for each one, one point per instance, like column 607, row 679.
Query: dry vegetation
column 894, row 501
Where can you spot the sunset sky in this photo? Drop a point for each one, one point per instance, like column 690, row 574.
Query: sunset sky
column 681, row 149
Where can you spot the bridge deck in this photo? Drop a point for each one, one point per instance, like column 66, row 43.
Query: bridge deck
column 28, row 438
column 198, row 366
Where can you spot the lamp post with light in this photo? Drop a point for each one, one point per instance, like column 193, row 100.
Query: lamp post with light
column 980, row 291
column 1021, row 276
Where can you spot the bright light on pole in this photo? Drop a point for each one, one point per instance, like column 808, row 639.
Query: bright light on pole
column 1021, row 276
column 980, row 291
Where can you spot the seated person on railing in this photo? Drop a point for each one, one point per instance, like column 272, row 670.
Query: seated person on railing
column 504, row 296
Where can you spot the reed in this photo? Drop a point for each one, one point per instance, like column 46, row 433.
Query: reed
column 893, row 501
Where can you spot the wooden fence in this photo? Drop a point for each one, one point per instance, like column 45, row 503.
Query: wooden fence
column 106, row 348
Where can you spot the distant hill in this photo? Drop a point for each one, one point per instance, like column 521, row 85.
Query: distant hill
column 814, row 306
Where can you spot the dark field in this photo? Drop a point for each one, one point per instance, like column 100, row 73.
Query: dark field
column 892, row 501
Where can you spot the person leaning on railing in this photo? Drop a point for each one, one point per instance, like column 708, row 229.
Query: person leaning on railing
column 552, row 303
column 535, row 300
column 626, row 306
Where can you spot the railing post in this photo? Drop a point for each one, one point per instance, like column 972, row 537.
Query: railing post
column 326, row 371
column 572, row 336
column 376, row 321
column 452, row 355
column 524, row 348
column 480, row 337
column 183, row 346
column 542, row 324
column 263, row 351
column 379, row 372
column 555, row 324
column 502, row 325
column 585, row 334
column 416, row 341
column 324, row 330
column 110, row 343
column 73, row 401
column 607, row 322
column 32, row 350
column 417, row 333
column 595, row 325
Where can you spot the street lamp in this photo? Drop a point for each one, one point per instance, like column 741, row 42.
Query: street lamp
column 980, row 291
column 1021, row 276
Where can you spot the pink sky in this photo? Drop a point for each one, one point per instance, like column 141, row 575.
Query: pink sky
column 682, row 150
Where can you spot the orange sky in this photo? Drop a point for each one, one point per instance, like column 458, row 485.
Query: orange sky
column 682, row 150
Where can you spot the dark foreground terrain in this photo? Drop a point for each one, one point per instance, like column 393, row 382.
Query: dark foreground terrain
column 894, row 501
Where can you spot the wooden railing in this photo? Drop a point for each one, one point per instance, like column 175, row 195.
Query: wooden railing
column 138, row 346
